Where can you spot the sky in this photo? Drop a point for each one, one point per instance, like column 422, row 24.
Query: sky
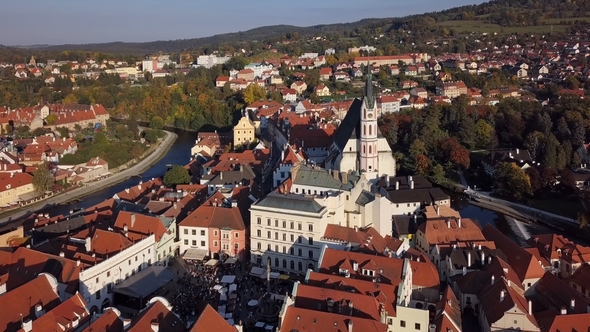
column 54, row 22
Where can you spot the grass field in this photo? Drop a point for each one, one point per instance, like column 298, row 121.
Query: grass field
column 479, row 26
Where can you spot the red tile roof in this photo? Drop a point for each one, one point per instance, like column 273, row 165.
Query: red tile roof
column 298, row 319
column 213, row 214
column 64, row 316
column 209, row 320
column 139, row 225
column 109, row 321
column 441, row 231
column 20, row 303
column 157, row 313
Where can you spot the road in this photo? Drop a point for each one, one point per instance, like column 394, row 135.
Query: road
column 136, row 169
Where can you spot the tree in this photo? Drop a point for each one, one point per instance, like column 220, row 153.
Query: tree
column 43, row 179
column 417, row 148
column 51, row 118
column 452, row 151
column 512, row 182
column 483, row 132
column 176, row 175
column 438, row 173
column 157, row 123
column 422, row 164
column 151, row 135
column 253, row 93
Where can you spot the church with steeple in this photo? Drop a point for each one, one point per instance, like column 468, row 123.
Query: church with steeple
column 358, row 143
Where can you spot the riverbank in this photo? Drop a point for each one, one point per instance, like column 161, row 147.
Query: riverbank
column 158, row 153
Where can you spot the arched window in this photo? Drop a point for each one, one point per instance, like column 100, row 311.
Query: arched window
column 370, row 149
column 276, row 262
column 284, row 263
column 364, row 114
column 364, row 130
column 370, row 130
column 300, row 266
column 292, row 265
column 364, row 149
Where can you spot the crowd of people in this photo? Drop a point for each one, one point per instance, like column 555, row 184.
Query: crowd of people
column 202, row 281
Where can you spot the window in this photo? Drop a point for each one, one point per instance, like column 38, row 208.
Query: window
column 284, row 224
column 98, row 295
column 194, row 232
column 202, row 243
column 136, row 258
column 299, row 252
column 291, row 251
column 268, row 247
column 417, row 326
column 292, row 238
column 97, row 280
column 284, row 250
column 268, row 222
column 108, row 274
column 202, row 232
column 276, row 222
column 215, row 243
column 299, row 227
column 310, row 227
column 292, row 265
column 276, row 248
column 236, row 246
column 276, row 235
column 215, row 233
column 389, row 321
column 310, row 253
column 408, row 204
column 186, row 231
column 268, row 234
column 300, row 266
column 402, row 323
column 276, row 262
column 292, row 225
column 186, row 242
column 194, row 242
column 258, row 233
column 310, row 241
column 284, row 263
column 258, row 246
column 259, row 221
column 236, row 235
column 284, row 237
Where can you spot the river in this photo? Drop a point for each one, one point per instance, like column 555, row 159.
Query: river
column 179, row 154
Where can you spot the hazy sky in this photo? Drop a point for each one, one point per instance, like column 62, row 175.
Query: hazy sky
column 28, row 22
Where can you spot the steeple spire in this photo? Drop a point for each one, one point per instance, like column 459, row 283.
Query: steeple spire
column 369, row 96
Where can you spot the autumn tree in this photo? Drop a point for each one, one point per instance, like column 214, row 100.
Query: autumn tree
column 450, row 150
column 253, row 93
column 512, row 181
column 422, row 164
column 42, row 178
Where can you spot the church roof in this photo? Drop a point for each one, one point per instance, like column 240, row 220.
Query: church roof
column 349, row 128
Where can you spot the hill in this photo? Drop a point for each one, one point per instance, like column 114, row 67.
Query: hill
column 497, row 16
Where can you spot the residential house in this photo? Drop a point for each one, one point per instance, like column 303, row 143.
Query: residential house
column 451, row 89
column 289, row 95
column 15, row 187
column 325, row 74
column 322, row 91
column 520, row 157
column 246, row 74
column 216, row 227
column 299, row 86
column 388, row 104
column 244, row 132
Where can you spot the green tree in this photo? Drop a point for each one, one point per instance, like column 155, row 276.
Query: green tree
column 157, row 123
column 176, row 175
column 151, row 135
column 483, row 132
column 42, row 178
column 512, row 181
column 438, row 173
column 51, row 118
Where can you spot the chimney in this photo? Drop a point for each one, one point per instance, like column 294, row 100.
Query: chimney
column 493, row 279
column 155, row 326
column 335, row 173
column 502, row 295
column 132, row 220
column 355, row 266
column 412, row 184
column 483, row 258
column 344, row 177
column 517, row 151
column 220, row 175
column 78, row 262
column 573, row 304
column 350, row 325
column 468, row 259
column 437, row 210
column 61, row 254
column 563, row 310
column 432, row 328
column 126, row 323
column 386, row 181
column 464, row 270
column 27, row 325
column 396, row 185
column 351, row 307
column 458, row 222
column 282, row 155
column 88, row 244
column 39, row 310
column 448, row 223
column 530, row 307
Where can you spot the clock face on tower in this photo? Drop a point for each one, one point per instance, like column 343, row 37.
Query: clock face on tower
column 370, row 115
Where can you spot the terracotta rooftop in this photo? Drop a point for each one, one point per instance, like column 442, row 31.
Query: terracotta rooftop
column 109, row 321
column 139, row 225
column 208, row 319
column 298, row 319
column 63, row 317
column 156, row 313
column 450, row 231
column 214, row 214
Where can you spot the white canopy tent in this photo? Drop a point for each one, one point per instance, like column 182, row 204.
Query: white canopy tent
column 256, row 271
column 217, row 287
column 233, row 288
column 212, row 262
column 259, row 324
column 195, row 254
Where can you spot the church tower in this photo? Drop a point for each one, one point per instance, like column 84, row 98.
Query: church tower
column 369, row 154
